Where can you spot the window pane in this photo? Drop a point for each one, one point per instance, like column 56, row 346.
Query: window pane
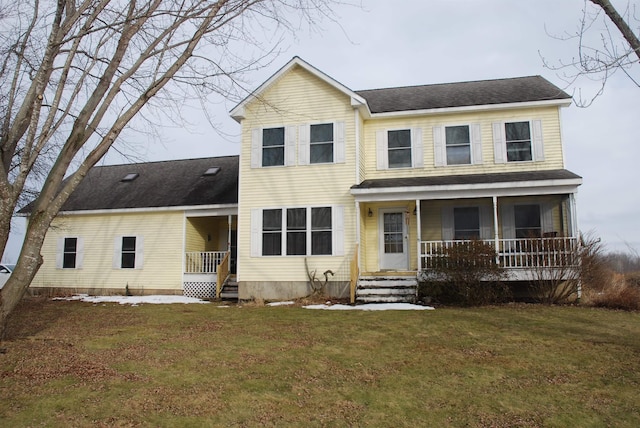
column 517, row 131
column 400, row 138
column 129, row 243
column 128, row 260
column 393, row 233
column 296, row 243
column 271, row 220
column 273, row 156
column 458, row 155
column 520, row 151
column 69, row 261
column 322, row 133
column 466, row 222
column 271, row 243
column 456, row 135
column 399, row 158
column 321, row 243
column 297, row 219
column 273, row 137
column 321, row 218
column 321, row 153
column 70, row 245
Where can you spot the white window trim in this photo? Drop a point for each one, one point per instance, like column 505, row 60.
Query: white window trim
column 290, row 135
column 337, row 231
column 117, row 252
column 440, row 144
column 382, row 148
column 500, row 141
column 486, row 221
column 304, row 143
column 79, row 252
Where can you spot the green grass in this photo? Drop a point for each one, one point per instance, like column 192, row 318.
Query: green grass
column 78, row 364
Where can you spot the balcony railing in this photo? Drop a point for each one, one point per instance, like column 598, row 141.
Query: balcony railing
column 512, row 253
column 203, row 261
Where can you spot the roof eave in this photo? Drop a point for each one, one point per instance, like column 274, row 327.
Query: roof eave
column 484, row 107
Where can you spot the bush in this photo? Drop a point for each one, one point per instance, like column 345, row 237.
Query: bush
column 620, row 294
column 464, row 273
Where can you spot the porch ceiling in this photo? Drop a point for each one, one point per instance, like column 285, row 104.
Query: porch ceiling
column 558, row 181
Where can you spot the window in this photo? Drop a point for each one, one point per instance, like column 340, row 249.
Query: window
column 271, row 232
column 399, row 148
column 518, row 141
column 458, row 145
column 527, row 221
column 128, row 259
column 307, row 231
column 273, row 146
column 70, row 252
column 321, row 143
column 466, row 222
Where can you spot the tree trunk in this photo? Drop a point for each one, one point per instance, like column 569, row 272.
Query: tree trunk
column 621, row 24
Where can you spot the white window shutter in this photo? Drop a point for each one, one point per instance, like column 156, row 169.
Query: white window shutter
column 476, row 143
column 547, row 218
column 382, row 149
column 256, row 148
column 303, row 144
column 117, row 252
column 290, row 145
column 256, row 232
column 417, row 148
column 139, row 263
column 337, row 227
column 499, row 143
column 538, row 146
column 447, row 224
column 486, row 222
column 79, row 253
column 439, row 149
column 59, row 253
column 338, row 142
column 508, row 222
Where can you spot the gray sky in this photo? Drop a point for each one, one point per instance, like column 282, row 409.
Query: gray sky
column 411, row 42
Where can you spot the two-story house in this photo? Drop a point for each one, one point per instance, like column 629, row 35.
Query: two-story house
column 379, row 181
column 369, row 185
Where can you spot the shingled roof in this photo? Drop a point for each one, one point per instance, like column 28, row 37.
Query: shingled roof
column 158, row 184
column 463, row 94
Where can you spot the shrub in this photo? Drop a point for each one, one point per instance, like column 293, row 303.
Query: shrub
column 464, row 273
column 620, row 294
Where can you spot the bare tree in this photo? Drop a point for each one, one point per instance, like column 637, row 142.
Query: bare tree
column 603, row 50
column 75, row 73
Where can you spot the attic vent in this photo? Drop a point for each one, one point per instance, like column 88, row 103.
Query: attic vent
column 212, row 171
column 130, row 177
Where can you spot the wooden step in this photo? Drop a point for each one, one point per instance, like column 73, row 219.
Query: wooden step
column 229, row 291
column 386, row 289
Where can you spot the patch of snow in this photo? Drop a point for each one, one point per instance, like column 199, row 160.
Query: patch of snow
column 373, row 307
column 133, row 300
column 280, row 303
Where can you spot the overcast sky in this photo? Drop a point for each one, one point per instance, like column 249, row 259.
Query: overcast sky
column 411, row 42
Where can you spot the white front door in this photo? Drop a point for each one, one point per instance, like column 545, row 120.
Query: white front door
column 394, row 254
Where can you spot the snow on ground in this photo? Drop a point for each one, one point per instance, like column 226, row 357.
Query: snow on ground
column 373, row 307
column 281, row 303
column 133, row 300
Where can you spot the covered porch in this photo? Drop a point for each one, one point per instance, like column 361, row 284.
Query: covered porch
column 528, row 218
column 210, row 252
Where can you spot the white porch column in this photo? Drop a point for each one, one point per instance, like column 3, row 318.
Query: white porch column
column 229, row 223
column 419, row 233
column 496, row 235
column 358, row 226
column 573, row 217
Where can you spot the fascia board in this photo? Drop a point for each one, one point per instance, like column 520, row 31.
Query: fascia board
column 479, row 108
column 458, row 191
column 231, row 208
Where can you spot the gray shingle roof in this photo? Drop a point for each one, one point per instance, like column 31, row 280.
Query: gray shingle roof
column 159, row 184
column 463, row 94
column 555, row 174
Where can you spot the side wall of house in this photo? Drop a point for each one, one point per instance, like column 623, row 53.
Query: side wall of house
column 160, row 259
column 298, row 99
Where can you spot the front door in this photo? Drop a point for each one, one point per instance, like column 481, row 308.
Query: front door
column 393, row 240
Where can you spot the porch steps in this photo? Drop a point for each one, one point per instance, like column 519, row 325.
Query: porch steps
column 229, row 290
column 386, row 289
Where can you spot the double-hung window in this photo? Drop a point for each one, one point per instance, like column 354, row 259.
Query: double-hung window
column 128, row 252
column 273, row 146
column 458, row 144
column 297, row 231
column 321, row 143
column 69, row 253
column 518, row 141
column 527, row 221
column 466, row 221
column 399, row 148
column 128, row 256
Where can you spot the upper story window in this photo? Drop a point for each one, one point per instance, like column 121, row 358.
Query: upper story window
column 273, row 146
column 457, row 145
column 400, row 148
column 518, row 141
column 297, row 231
column 321, row 143
column 69, row 254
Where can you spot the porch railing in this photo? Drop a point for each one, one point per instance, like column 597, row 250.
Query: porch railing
column 203, row 261
column 512, row 253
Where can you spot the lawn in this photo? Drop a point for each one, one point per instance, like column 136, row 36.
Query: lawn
column 80, row 364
